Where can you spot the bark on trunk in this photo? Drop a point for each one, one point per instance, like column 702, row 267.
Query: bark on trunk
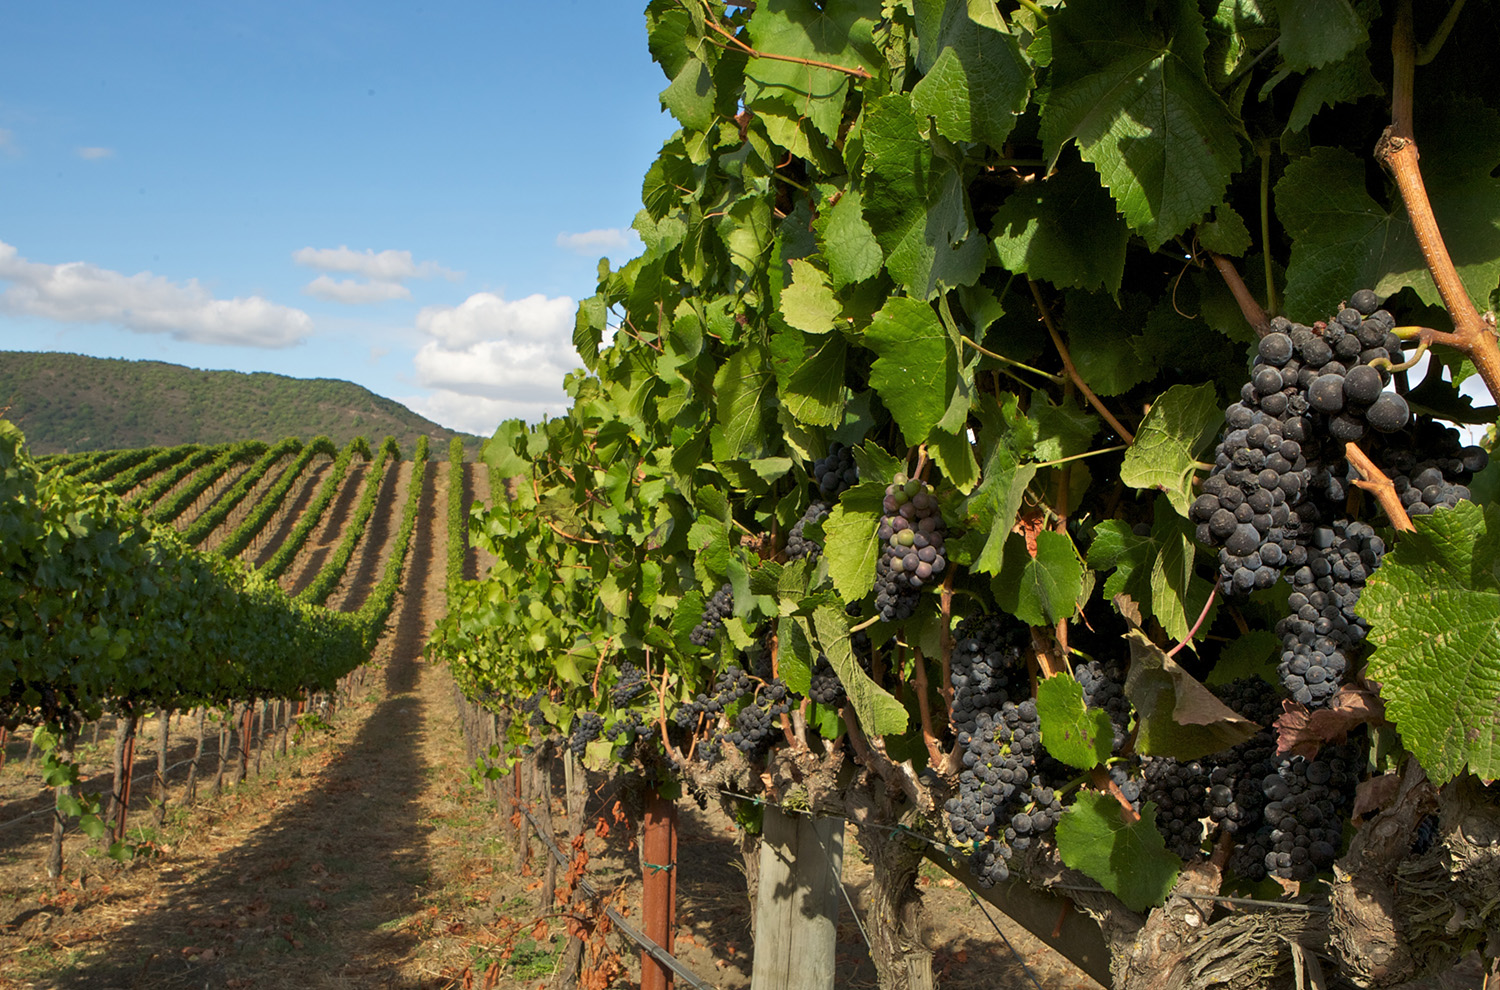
column 54, row 862
column 159, row 785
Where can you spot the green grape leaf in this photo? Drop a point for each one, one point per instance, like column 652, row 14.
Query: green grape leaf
column 851, row 549
column 1040, row 590
column 1434, row 613
column 837, row 33
column 994, row 504
column 1343, row 81
column 808, row 303
column 879, row 713
column 1154, row 570
column 1129, row 89
column 978, row 84
column 1130, row 859
column 1078, row 735
column 1175, row 715
column 1063, row 229
column 794, row 654
column 814, row 392
column 1226, row 233
column 1061, row 430
column 744, row 386
column 913, row 373
column 1180, row 424
column 848, row 243
column 1251, row 654
column 1316, row 32
column 1104, row 351
column 1342, row 239
column 917, row 202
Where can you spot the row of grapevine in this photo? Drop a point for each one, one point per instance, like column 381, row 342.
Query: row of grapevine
column 127, row 481
column 458, row 544
column 256, row 519
column 108, row 468
column 244, row 452
column 376, row 608
column 332, row 571
column 888, row 465
column 157, row 488
column 209, row 520
column 310, row 519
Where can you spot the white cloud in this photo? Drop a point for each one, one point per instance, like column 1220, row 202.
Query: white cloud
column 94, row 154
column 8, row 144
column 355, row 292
column 606, row 240
column 491, row 358
column 78, row 292
column 383, row 266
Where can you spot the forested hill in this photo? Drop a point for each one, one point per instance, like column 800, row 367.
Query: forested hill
column 66, row 402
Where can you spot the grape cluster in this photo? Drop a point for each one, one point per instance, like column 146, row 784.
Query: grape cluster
column 757, row 724
column 1323, row 630
column 629, row 727
column 1103, row 684
column 912, row 545
column 835, row 473
column 730, row 686
column 718, row 608
column 586, row 728
column 1180, row 792
column 1306, row 804
column 987, row 668
column 532, row 709
column 826, row 688
column 799, row 546
column 1438, row 477
column 628, row 686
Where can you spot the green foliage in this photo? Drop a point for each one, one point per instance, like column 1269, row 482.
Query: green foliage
column 1080, row 736
column 1129, row 858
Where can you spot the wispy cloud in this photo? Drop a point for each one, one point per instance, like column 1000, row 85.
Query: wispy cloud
column 80, row 292
column 8, row 146
column 94, row 154
column 384, row 271
column 491, row 358
column 606, row 240
column 383, row 266
column 355, row 292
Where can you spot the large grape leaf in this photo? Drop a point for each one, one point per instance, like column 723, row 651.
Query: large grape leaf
column 1316, row 32
column 1130, row 89
column 850, row 546
column 1129, row 858
column 914, row 373
column 978, row 83
column 1434, row 614
column 808, row 303
column 1175, row 715
column 744, row 386
column 837, row 32
column 994, row 504
column 1064, row 229
column 847, row 242
column 879, row 713
column 917, row 202
column 1044, row 589
column 1342, row 239
column 1179, row 425
column 1105, row 351
column 1080, row 736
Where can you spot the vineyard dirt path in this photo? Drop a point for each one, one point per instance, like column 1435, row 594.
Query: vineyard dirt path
column 366, row 859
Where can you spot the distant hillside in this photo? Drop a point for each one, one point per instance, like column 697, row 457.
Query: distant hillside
column 68, row 403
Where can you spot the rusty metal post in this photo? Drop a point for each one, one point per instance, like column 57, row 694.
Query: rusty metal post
column 659, row 886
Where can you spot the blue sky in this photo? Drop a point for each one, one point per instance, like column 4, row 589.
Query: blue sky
column 412, row 198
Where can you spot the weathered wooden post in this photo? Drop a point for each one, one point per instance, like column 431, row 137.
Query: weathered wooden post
column 797, row 901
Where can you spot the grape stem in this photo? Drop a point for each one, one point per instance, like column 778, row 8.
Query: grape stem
column 945, row 640
column 1017, row 364
column 712, row 21
column 1374, row 481
column 1397, row 151
column 1254, row 314
column 872, row 754
column 934, row 748
column 661, row 713
column 1067, row 360
column 1105, row 783
column 1088, row 453
column 795, row 740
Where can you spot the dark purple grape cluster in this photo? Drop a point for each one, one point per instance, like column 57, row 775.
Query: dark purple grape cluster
column 1307, row 802
column 757, row 725
column 628, row 686
column 1103, row 684
column 1323, row 629
column 826, row 688
column 586, row 728
column 798, row 545
column 1180, row 792
column 627, row 728
column 532, row 709
column 835, row 472
column 911, row 547
column 1434, row 470
column 730, row 686
column 719, row 608
column 987, row 667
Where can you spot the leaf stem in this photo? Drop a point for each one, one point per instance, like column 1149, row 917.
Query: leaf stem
column 919, row 668
column 1272, row 303
column 1212, row 594
column 1373, row 480
column 1001, row 357
column 713, row 22
column 1087, row 453
column 1035, row 8
column 1067, row 361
